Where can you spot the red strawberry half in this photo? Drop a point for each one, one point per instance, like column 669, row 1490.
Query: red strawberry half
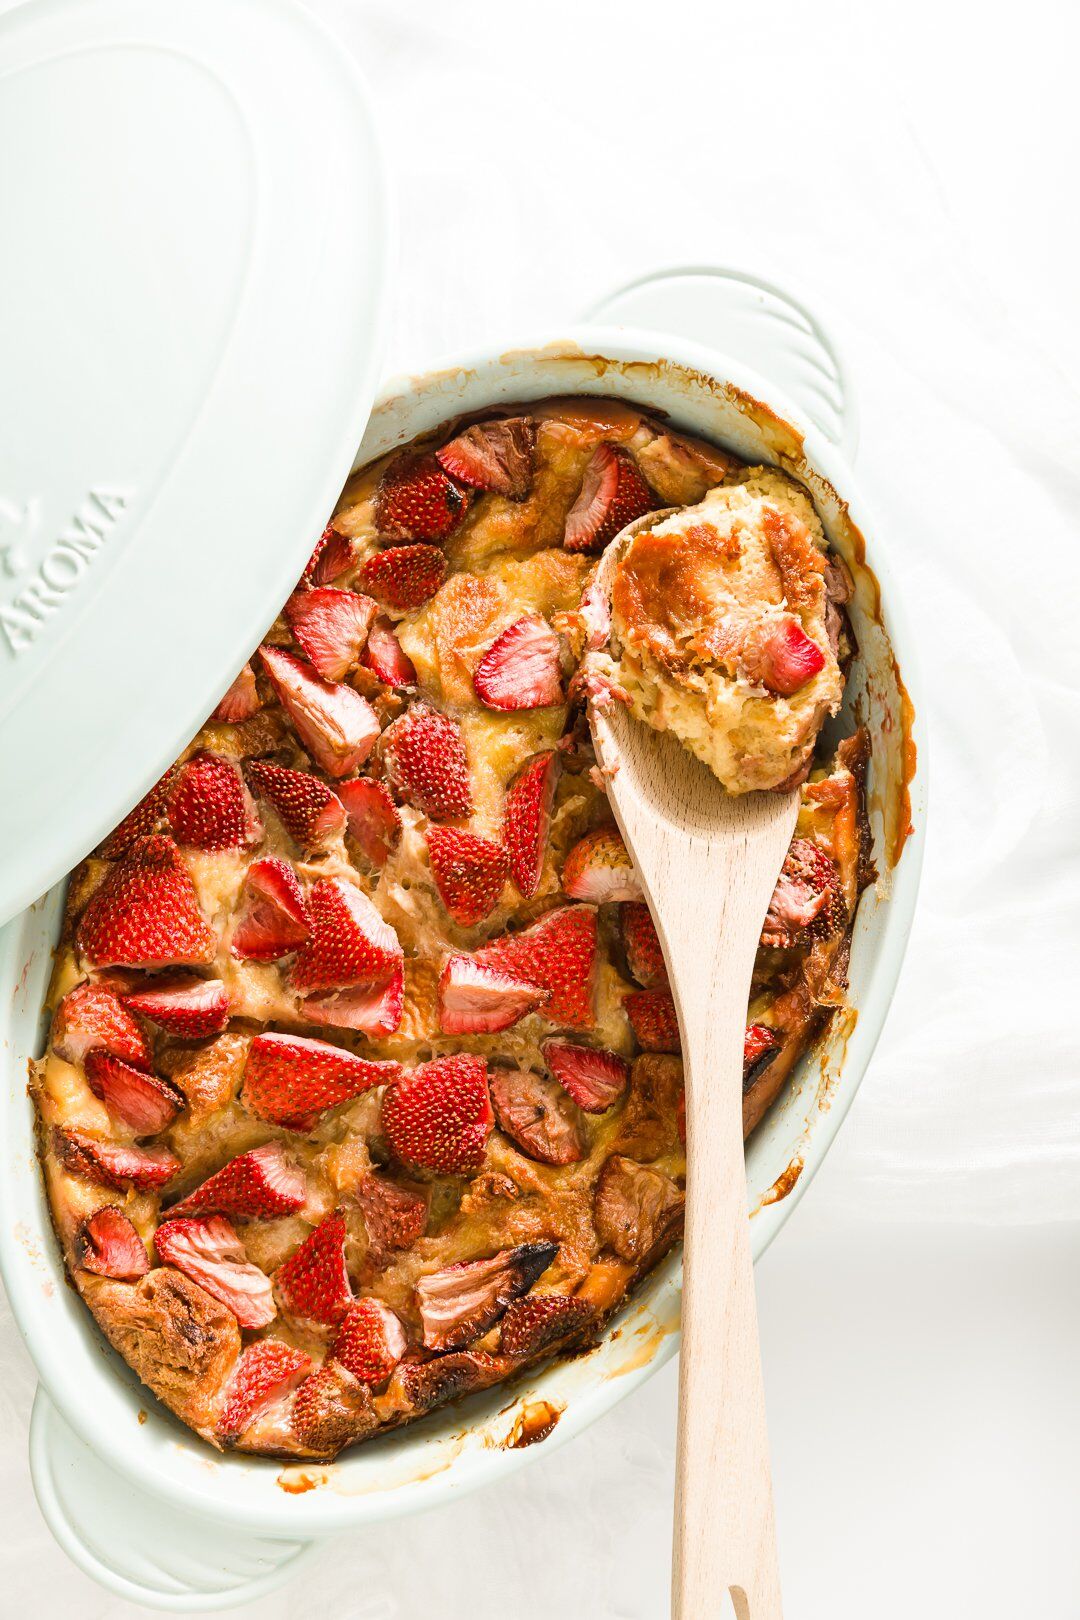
column 332, row 555
column 330, row 626
column 144, row 1101
column 417, row 500
column 208, row 808
column 146, row 817
column 557, row 954
column 385, row 658
column 527, row 819
column 493, row 455
column 469, row 872
column 373, row 1009
column 593, row 1076
column 462, row 1301
column 806, row 902
column 336, row 725
column 438, row 1116
column 207, row 1250
column 373, row 818
column 314, row 1281
column 598, row 868
column 521, row 668
column 370, row 1341
column 644, row 956
column 349, row 942
column 653, row 1021
column 309, row 811
column 267, row 1371
column 272, row 919
column 476, row 999
column 260, row 1184
column 613, row 493
column 425, row 760
column 92, row 1016
column 145, row 914
column 241, row 701
column 783, row 659
column 760, row 1046
column 187, row 1006
column 289, row 1078
column 111, row 1164
column 540, row 1321
column 394, row 1216
column 405, row 577
column 108, row 1244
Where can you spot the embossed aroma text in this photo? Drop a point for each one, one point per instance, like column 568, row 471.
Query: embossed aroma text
column 60, row 570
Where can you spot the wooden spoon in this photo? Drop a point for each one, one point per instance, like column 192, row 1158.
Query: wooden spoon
column 708, row 862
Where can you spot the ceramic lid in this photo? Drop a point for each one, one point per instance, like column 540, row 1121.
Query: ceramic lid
column 191, row 293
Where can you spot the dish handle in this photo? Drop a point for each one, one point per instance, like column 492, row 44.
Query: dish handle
column 753, row 320
column 140, row 1546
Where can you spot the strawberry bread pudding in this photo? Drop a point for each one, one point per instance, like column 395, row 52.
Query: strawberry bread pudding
column 363, row 1086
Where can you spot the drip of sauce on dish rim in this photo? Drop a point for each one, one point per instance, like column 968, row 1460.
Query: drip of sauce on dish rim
column 533, row 1423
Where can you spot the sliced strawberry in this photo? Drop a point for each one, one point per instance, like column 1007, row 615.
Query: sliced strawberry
column 208, row 808
column 438, row 1116
column 417, row 500
column 644, row 956
column 478, row 999
column 146, row 817
column 330, row 626
column 613, row 493
column 493, row 455
column 187, row 1006
column 373, row 1009
column 272, row 920
column 146, row 914
column 349, row 942
column 337, row 726
column 314, row 1281
column 373, row 818
column 425, row 759
column 469, row 873
column 405, row 577
column 92, row 1016
column 370, row 1341
column 760, row 1046
column 260, row 1184
column 241, row 701
column 290, row 1078
column 521, row 669
column 309, row 811
column 783, row 659
column 332, row 1409
column 395, row 1216
column 806, row 903
column 460, row 1303
column 108, row 1244
column 527, row 819
column 592, row 1075
column 267, row 1371
column 557, row 954
column 599, row 868
column 332, row 556
column 385, row 657
column 144, row 1101
column 653, row 1021
column 208, row 1250
column 537, row 1323
column 111, row 1164
column 537, row 1115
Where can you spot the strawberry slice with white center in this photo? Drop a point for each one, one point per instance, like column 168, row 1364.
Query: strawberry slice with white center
column 599, row 869
column 187, row 1006
column 310, row 812
column 476, row 999
column 208, row 1250
column 92, row 1016
column 462, row 1301
column 370, row 1342
column 146, row 817
column 653, row 1020
column 330, row 626
column 806, row 902
column 469, row 873
column 350, row 943
column 521, row 668
column 208, row 807
column 144, row 1101
column 337, row 726
column 405, row 577
column 373, row 818
column 760, row 1046
column 782, row 657
column 272, row 920
column 613, row 493
column 438, row 1116
column 373, row 1009
column 267, row 1371
column 385, row 657
column 425, row 759
column 289, row 1078
column 527, row 819
column 107, row 1244
column 331, row 558
column 593, row 1076
column 258, row 1185
column 112, row 1164
column 539, row 1322
column 417, row 500
column 146, row 913
column 644, row 956
column 241, row 701
column 557, row 954
column 497, row 456
column 314, row 1281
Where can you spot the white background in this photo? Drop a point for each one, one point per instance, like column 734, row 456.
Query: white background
column 915, row 170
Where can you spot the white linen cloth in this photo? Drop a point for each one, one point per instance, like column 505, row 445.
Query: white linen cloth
column 915, row 173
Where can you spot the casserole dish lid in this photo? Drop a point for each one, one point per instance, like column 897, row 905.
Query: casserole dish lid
column 191, row 293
